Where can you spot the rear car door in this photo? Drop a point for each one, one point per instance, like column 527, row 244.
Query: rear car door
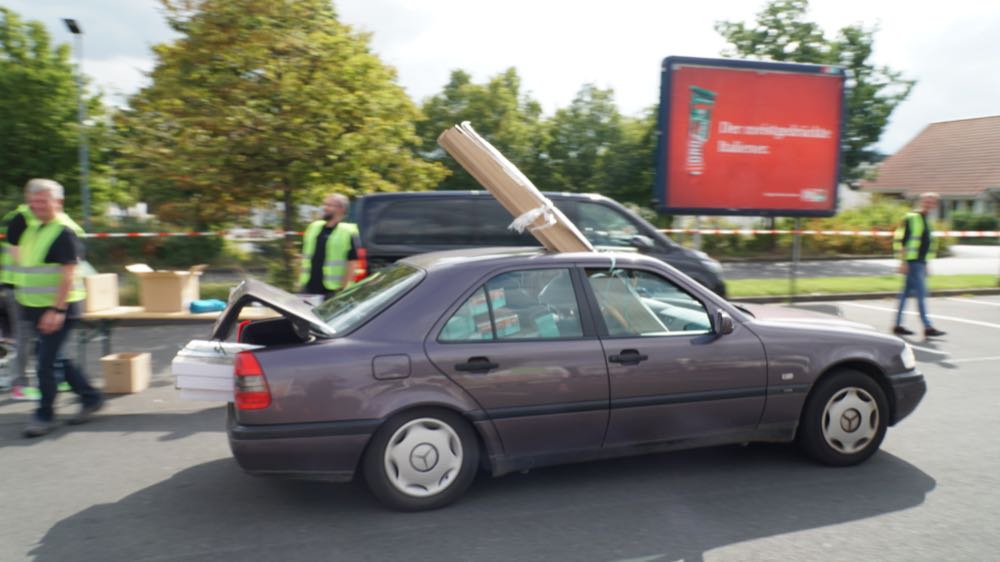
column 518, row 345
column 671, row 376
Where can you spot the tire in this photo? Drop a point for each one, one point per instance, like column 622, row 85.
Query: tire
column 844, row 419
column 423, row 459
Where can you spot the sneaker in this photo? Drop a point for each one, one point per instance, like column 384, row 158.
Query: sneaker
column 931, row 331
column 901, row 331
column 25, row 393
column 87, row 412
column 64, row 387
column 38, row 428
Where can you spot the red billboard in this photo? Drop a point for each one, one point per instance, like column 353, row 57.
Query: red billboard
column 749, row 138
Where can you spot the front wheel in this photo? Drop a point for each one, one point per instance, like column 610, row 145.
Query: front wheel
column 844, row 419
column 421, row 460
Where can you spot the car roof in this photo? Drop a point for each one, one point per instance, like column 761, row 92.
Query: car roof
column 475, row 193
column 491, row 257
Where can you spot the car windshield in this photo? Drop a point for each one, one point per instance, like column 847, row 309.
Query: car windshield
column 355, row 305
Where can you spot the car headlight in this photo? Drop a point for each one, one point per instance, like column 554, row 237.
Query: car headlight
column 710, row 264
column 907, row 357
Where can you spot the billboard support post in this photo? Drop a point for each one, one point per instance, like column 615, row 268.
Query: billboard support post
column 796, row 255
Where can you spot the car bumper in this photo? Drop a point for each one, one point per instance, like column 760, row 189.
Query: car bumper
column 908, row 390
column 327, row 451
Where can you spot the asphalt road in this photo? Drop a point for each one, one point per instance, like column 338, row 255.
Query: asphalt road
column 152, row 479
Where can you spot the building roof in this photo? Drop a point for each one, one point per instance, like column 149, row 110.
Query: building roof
column 954, row 158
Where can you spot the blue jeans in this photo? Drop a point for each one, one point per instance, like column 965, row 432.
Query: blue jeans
column 916, row 284
column 49, row 347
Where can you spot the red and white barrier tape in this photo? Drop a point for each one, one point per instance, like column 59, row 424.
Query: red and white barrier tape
column 262, row 235
column 875, row 233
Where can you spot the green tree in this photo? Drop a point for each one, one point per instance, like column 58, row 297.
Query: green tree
column 39, row 130
column 584, row 139
column 508, row 119
column 267, row 100
column 781, row 33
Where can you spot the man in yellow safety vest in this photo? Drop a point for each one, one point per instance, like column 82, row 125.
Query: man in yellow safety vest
column 49, row 290
column 915, row 244
column 329, row 250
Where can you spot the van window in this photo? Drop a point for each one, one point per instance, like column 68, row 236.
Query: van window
column 444, row 221
column 605, row 226
column 425, row 221
column 493, row 222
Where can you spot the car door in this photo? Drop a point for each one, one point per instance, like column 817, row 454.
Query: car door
column 518, row 345
column 671, row 376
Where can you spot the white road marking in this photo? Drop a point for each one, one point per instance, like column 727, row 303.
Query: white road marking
column 971, row 301
column 913, row 313
column 971, row 359
column 929, row 350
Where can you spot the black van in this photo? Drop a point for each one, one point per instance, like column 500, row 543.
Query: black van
column 396, row 225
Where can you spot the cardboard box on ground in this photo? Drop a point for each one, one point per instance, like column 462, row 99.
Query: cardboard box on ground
column 167, row 291
column 126, row 373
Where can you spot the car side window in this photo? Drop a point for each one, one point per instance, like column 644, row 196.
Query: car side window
column 471, row 322
column 636, row 303
column 605, row 226
column 533, row 304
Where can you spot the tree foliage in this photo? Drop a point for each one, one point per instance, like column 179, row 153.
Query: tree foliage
column 592, row 147
column 781, row 33
column 267, row 100
column 498, row 110
column 39, row 129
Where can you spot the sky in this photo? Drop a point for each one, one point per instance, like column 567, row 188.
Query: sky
column 557, row 46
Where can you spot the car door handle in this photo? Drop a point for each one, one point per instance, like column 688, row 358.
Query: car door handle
column 628, row 357
column 477, row 365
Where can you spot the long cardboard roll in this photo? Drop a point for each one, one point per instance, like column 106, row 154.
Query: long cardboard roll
column 515, row 192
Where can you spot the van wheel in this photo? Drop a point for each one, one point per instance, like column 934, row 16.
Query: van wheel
column 424, row 459
column 844, row 420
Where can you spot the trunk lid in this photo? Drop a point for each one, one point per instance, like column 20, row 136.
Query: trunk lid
column 294, row 308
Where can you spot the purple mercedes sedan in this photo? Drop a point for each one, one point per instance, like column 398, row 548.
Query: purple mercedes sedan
column 446, row 364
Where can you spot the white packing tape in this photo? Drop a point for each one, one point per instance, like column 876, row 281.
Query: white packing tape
column 526, row 219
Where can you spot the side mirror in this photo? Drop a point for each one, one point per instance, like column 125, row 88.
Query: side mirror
column 642, row 242
column 723, row 323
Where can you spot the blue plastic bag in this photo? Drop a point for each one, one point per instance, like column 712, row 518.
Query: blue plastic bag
column 207, row 305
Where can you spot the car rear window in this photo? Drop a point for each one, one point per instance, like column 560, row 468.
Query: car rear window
column 357, row 304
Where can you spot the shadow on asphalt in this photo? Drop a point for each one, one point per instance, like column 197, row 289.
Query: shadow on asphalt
column 661, row 507
column 173, row 425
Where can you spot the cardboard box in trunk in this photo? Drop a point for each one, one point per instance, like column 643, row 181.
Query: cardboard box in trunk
column 167, row 291
column 126, row 373
column 102, row 292
column 531, row 210
column 203, row 370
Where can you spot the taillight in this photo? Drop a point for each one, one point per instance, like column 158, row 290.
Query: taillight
column 239, row 329
column 362, row 268
column 252, row 392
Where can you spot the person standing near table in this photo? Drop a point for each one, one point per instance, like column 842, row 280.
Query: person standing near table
column 329, row 250
column 49, row 291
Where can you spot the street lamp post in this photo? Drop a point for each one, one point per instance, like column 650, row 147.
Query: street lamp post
column 77, row 32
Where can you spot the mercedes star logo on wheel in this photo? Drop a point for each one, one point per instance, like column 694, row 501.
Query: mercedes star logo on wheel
column 850, row 420
column 424, row 457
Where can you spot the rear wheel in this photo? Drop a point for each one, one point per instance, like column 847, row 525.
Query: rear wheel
column 844, row 420
column 420, row 460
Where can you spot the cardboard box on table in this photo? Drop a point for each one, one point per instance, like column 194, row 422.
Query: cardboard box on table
column 515, row 192
column 102, row 292
column 126, row 373
column 167, row 291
